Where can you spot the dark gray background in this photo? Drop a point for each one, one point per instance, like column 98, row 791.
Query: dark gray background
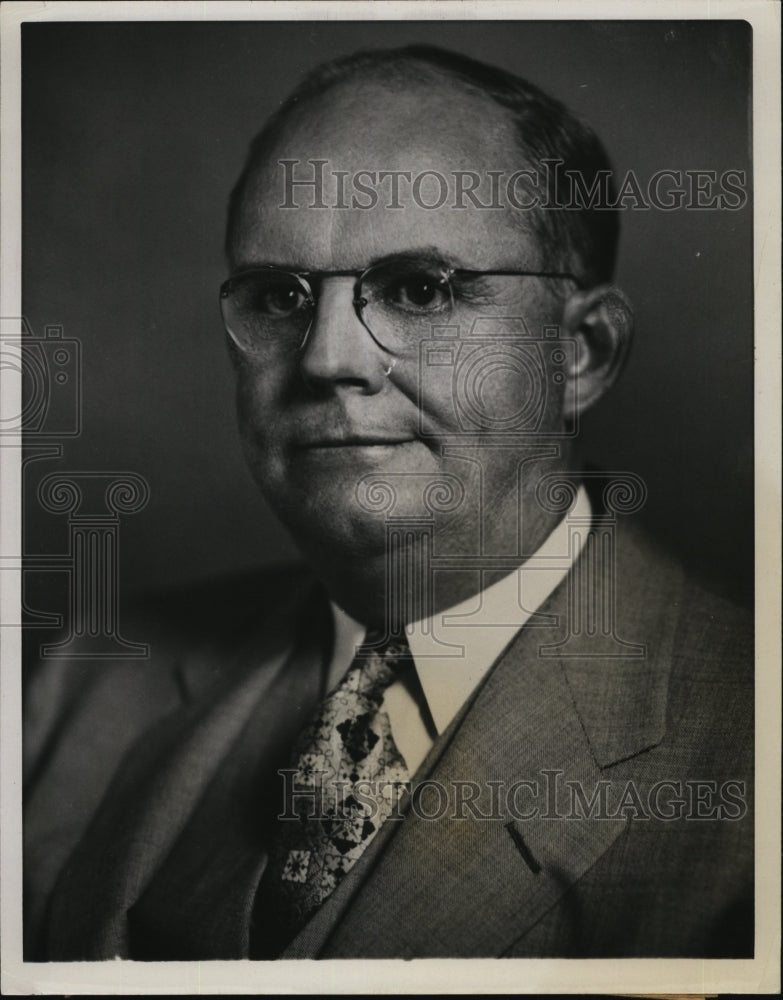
column 132, row 137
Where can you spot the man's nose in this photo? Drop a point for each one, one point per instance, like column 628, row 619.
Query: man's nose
column 339, row 350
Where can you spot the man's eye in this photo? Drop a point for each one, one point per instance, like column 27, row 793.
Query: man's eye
column 280, row 300
column 418, row 292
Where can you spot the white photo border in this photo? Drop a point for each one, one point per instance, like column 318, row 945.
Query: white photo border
column 759, row 975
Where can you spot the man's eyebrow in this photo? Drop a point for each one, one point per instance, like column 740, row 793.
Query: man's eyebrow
column 251, row 265
column 427, row 254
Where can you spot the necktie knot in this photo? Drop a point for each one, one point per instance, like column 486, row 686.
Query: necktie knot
column 376, row 665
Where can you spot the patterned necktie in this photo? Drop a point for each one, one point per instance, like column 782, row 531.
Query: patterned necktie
column 348, row 779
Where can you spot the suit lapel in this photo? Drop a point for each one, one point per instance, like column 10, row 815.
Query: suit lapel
column 472, row 886
column 126, row 863
column 460, row 884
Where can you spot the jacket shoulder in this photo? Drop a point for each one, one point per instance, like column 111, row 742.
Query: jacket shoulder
column 182, row 627
column 81, row 717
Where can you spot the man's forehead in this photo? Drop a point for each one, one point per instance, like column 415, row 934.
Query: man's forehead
column 365, row 170
column 366, row 123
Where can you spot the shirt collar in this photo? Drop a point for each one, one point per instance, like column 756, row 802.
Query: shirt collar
column 455, row 648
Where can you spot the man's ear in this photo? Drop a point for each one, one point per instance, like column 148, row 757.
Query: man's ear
column 600, row 321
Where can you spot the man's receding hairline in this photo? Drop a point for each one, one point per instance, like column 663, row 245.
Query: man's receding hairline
column 294, row 117
column 551, row 124
column 400, row 73
column 400, row 70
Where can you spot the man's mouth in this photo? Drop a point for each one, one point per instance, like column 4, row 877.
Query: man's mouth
column 354, row 441
column 334, row 438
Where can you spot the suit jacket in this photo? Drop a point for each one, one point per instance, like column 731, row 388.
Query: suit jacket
column 621, row 824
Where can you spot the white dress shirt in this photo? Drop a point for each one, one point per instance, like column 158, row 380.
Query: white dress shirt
column 454, row 649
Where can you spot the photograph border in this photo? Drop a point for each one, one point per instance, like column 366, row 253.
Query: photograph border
column 613, row 976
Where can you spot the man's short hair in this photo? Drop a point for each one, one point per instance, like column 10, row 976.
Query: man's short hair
column 582, row 239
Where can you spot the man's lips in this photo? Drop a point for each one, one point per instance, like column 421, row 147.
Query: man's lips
column 354, row 441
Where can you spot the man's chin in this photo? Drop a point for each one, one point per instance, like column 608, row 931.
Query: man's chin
column 331, row 522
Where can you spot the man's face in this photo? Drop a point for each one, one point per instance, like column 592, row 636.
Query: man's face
column 322, row 423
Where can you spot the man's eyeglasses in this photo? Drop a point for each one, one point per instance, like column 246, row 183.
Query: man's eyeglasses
column 397, row 300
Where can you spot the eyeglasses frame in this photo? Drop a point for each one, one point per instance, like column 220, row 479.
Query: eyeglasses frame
column 360, row 275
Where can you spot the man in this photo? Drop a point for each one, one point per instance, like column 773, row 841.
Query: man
column 489, row 718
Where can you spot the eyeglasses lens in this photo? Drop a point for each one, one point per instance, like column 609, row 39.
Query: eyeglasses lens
column 398, row 302
column 402, row 301
column 263, row 307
